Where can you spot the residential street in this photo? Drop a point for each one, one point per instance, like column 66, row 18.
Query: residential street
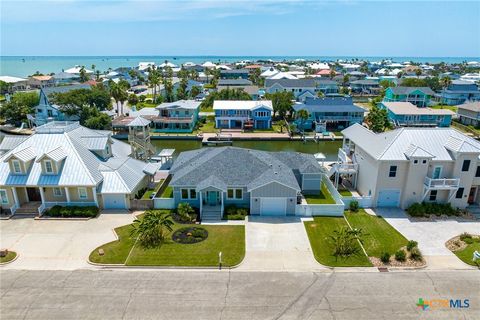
column 166, row 294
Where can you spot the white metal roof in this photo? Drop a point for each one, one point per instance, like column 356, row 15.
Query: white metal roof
column 139, row 122
column 9, row 79
column 407, row 108
column 241, row 104
column 24, row 154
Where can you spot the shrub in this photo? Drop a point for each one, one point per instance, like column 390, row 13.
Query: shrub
column 153, row 228
column 354, row 206
column 231, row 210
column 411, row 244
column 465, row 236
column 416, row 210
column 185, row 212
column 416, row 254
column 431, row 208
column 345, row 243
column 400, row 255
column 73, row 212
column 385, row 257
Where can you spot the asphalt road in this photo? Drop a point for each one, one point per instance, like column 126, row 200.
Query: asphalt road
column 190, row 295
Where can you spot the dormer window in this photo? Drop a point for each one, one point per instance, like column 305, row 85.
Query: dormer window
column 48, row 166
column 17, row 168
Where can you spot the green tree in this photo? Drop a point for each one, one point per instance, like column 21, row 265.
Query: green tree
column 332, row 73
column 132, row 99
column 5, row 87
column 302, row 115
column 282, row 102
column 20, row 105
column 99, row 122
column 377, row 119
column 224, row 94
column 185, row 212
column 118, row 91
column 153, row 79
column 153, row 228
column 345, row 80
column 195, row 91
column 83, row 75
column 167, row 76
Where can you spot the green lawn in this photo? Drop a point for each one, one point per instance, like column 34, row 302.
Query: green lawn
column 207, row 127
column 380, row 236
column 9, row 257
column 210, row 109
column 230, row 240
column 167, row 192
column 441, row 106
column 344, row 192
column 466, row 254
column 319, row 230
column 324, row 197
column 149, row 192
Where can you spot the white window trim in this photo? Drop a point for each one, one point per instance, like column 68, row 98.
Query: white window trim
column 51, row 166
column 19, row 166
column 80, row 193
column 55, row 194
column 2, row 199
column 234, row 194
column 188, row 194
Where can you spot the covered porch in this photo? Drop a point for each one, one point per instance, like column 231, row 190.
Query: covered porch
column 211, row 203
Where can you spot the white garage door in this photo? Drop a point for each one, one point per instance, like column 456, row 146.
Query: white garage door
column 114, row 201
column 273, row 206
column 388, row 198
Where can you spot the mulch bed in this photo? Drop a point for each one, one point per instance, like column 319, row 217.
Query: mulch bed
column 190, row 235
column 395, row 263
column 463, row 216
column 455, row 244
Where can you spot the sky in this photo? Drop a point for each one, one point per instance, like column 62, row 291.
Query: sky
column 255, row 27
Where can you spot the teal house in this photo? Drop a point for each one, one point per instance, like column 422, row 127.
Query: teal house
column 419, row 96
column 406, row 114
column 179, row 116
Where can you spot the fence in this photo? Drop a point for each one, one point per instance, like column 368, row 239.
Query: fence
column 334, row 209
column 141, row 204
column 164, row 203
column 363, row 202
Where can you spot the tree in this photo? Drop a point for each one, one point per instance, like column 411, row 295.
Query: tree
column 83, row 75
column 118, row 91
column 132, row 99
column 153, row 228
column 256, row 78
column 195, row 91
column 332, row 73
column 97, row 75
column 167, row 76
column 302, row 115
column 185, row 212
column 377, row 119
column 153, row 80
column 100, row 121
column 5, row 87
column 320, row 94
column 345, row 80
column 224, row 94
column 418, row 72
column 183, row 84
column 21, row 104
column 281, row 102
column 345, row 242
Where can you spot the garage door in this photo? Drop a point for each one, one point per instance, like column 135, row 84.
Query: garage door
column 388, row 198
column 114, row 201
column 273, row 206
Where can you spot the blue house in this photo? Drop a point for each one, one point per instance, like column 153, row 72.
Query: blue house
column 405, row 114
column 329, row 113
column 459, row 92
column 238, row 114
column 326, row 86
column 234, row 74
column 178, row 116
column 419, row 96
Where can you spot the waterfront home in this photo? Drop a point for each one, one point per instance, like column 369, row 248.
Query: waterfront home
column 326, row 86
column 46, row 111
column 234, row 74
column 63, row 78
column 267, row 183
column 38, row 82
column 178, row 116
column 407, row 165
column 66, row 164
column 419, row 96
column 459, row 92
column 301, row 88
column 239, row 114
column 16, row 84
column 365, row 86
column 224, row 83
column 469, row 113
column 329, row 113
column 407, row 114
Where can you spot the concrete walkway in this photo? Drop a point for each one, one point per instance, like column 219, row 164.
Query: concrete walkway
column 431, row 236
column 278, row 244
column 58, row 244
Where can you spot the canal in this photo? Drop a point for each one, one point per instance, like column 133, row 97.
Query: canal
column 329, row 148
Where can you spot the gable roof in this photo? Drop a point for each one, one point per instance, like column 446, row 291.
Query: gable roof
column 471, row 106
column 234, row 82
column 183, row 104
column 329, row 104
column 409, row 90
column 291, row 83
column 407, row 108
column 241, row 104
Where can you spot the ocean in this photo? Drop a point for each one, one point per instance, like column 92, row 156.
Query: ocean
column 22, row 66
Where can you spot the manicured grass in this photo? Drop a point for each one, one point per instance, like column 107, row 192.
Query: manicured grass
column 319, row 231
column 344, row 193
column 466, row 254
column 207, row 127
column 442, row 106
column 149, row 192
column 324, row 197
column 230, row 240
column 167, row 192
column 210, row 109
column 379, row 237
column 9, row 257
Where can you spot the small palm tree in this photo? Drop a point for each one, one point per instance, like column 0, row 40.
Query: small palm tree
column 302, row 115
column 445, row 82
column 153, row 229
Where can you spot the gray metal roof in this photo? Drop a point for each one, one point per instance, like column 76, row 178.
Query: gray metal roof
column 409, row 90
column 139, row 122
column 471, row 106
column 291, row 83
column 182, row 104
column 329, row 104
column 9, row 142
column 231, row 166
column 234, row 82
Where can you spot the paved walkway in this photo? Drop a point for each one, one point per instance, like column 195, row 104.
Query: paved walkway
column 57, row 244
column 278, row 244
column 431, row 236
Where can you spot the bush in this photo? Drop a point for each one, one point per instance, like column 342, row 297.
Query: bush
column 400, row 255
column 354, row 206
column 415, row 254
column 232, row 212
column 426, row 209
column 73, row 212
column 465, row 236
column 385, row 257
column 185, row 212
column 411, row 244
column 416, row 210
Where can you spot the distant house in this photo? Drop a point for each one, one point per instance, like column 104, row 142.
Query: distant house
column 17, row 84
column 459, row 92
column 329, row 113
column 46, row 111
column 366, row 86
column 326, row 86
column 38, row 82
column 407, row 114
column 234, row 74
column 419, row 96
column 178, row 116
column 62, row 78
column 301, row 88
column 223, row 83
column 237, row 114
column 469, row 113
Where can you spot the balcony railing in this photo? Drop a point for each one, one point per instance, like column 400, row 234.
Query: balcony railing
column 173, row 119
column 442, row 183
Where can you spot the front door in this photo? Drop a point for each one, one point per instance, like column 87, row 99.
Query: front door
column 471, row 195
column 34, row 194
column 212, row 198
column 437, row 172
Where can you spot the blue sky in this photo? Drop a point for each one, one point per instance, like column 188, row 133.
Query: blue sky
column 255, row 27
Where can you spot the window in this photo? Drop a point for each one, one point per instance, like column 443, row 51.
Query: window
column 193, row 194
column 184, row 193
column 459, row 193
column 477, row 173
column 424, row 161
column 466, row 165
column 235, row 194
column 3, row 196
column 57, row 192
column 82, row 193
column 48, row 166
column 16, row 166
column 188, row 194
column 415, row 161
column 393, row 172
column 433, row 195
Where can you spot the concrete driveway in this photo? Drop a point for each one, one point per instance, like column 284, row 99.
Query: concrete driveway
column 431, row 236
column 278, row 244
column 57, row 244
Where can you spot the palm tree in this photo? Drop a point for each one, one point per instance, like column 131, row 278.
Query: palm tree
column 83, row 75
column 153, row 228
column 118, row 91
column 154, row 81
column 332, row 73
column 302, row 115
column 445, row 82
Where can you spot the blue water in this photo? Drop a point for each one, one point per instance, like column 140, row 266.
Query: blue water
column 22, row 66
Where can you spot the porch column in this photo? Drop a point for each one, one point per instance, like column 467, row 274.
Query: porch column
column 201, row 202
column 94, row 191
column 221, row 199
column 42, row 196
column 15, row 197
column 67, row 194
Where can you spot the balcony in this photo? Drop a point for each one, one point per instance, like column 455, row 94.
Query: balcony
column 441, row 184
column 173, row 119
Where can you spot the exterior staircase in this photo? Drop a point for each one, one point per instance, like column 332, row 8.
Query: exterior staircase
column 29, row 208
column 211, row 213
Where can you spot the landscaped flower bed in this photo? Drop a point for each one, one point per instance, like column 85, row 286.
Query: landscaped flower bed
column 190, row 235
column 72, row 212
column 432, row 211
column 463, row 246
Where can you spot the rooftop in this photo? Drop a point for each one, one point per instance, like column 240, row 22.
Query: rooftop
column 241, row 104
column 407, row 108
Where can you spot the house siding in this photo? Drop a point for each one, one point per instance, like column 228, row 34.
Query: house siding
column 273, row 189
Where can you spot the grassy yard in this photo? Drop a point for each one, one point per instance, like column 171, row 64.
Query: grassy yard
column 324, row 197
column 441, row 106
column 344, row 192
column 167, row 192
column 207, row 127
column 466, row 254
column 319, row 231
column 9, row 257
column 210, row 109
column 230, row 240
column 380, row 236
column 149, row 192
